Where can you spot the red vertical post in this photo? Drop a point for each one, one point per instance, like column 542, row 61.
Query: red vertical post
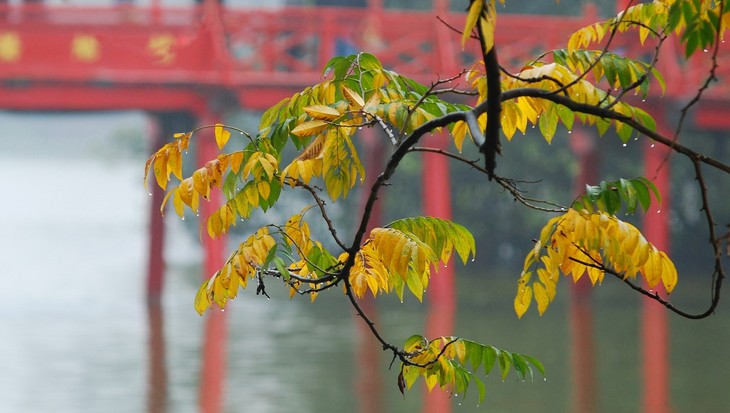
column 155, row 263
column 654, row 328
column 213, row 372
column 441, row 290
column 157, row 368
column 369, row 381
column 582, row 346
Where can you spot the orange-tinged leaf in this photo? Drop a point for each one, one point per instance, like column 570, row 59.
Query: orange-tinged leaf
column 221, row 135
column 309, row 128
column 356, row 101
column 322, row 112
column 174, row 164
column 359, row 281
column 236, row 159
column 164, row 202
column 187, row 193
column 314, row 150
column 200, row 182
column 159, row 167
column 178, row 203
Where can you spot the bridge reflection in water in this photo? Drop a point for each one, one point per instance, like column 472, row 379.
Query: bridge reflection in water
column 78, row 337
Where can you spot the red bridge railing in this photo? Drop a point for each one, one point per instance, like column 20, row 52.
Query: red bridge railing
column 79, row 55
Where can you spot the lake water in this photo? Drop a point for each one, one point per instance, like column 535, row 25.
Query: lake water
column 75, row 335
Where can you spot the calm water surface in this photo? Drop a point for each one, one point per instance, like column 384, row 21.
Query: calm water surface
column 74, row 331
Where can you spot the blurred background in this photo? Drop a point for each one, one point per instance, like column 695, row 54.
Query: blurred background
column 96, row 309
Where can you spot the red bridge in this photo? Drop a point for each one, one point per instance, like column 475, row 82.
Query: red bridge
column 162, row 59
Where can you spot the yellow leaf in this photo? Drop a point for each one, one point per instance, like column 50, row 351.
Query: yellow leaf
column 252, row 194
column 174, row 163
column 487, row 24
column 322, row 112
column 653, row 268
column 669, row 272
column 264, row 189
column 309, row 128
column 359, row 281
column 188, row 194
column 236, row 159
column 269, row 164
column 475, row 10
column 200, row 182
column 178, row 203
column 523, row 297
column 541, row 297
column 162, row 174
column 459, row 134
column 314, row 150
column 164, row 201
column 221, row 135
column 356, row 101
column 373, row 101
column 202, row 298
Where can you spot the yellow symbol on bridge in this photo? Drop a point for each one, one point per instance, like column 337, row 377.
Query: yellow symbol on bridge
column 9, row 47
column 85, row 47
column 161, row 46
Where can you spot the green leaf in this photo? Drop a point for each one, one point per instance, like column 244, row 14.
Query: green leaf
column 649, row 184
column 535, row 362
column 566, row 115
column 628, row 193
column 442, row 236
column 280, row 266
column 489, row 357
column 229, row 185
column 609, row 198
column 369, row 62
column 521, row 366
column 270, row 256
column 548, row 123
column 414, row 283
column 504, row 363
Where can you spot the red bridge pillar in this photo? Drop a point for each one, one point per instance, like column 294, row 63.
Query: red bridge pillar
column 441, row 290
column 164, row 126
column 654, row 325
column 213, row 373
column 582, row 346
